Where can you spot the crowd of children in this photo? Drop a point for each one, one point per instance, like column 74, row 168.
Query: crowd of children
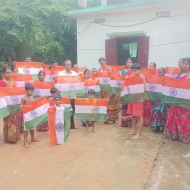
column 161, row 117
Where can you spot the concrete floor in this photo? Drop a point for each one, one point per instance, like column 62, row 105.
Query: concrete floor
column 106, row 160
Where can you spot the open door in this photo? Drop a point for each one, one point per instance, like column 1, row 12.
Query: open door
column 111, row 52
column 143, row 51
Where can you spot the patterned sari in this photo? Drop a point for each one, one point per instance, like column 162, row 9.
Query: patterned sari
column 178, row 122
column 147, row 111
column 126, row 119
column 11, row 127
column 159, row 115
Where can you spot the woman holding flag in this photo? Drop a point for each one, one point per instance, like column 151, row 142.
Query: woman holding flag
column 126, row 120
column 44, row 127
column 178, row 122
column 11, row 126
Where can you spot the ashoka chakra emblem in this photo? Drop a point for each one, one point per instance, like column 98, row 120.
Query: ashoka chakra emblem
column 59, row 127
column 152, row 87
column 86, row 89
column 118, row 83
column 51, row 78
column 95, row 109
column 37, row 92
column 14, row 99
column 173, row 91
column 26, row 71
column 105, row 81
column 71, row 87
column 34, row 114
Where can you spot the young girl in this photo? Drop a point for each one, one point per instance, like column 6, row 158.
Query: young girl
column 11, row 126
column 26, row 99
column 136, row 108
column 57, row 99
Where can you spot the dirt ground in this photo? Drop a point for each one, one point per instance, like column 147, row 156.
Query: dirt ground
column 106, row 160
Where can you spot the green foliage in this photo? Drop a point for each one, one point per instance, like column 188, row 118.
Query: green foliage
column 38, row 28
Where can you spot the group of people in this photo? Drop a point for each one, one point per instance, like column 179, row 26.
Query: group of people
column 173, row 121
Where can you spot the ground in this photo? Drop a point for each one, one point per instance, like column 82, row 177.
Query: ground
column 106, row 160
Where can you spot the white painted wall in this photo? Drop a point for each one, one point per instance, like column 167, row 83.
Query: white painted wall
column 91, row 45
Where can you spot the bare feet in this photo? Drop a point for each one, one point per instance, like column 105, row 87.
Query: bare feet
column 34, row 140
column 131, row 133
column 87, row 132
column 26, row 145
column 136, row 137
column 93, row 131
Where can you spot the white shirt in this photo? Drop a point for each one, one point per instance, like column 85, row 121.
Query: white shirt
column 65, row 73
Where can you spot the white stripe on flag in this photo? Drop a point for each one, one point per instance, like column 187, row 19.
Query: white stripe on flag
column 20, row 83
column 104, row 80
column 42, row 92
column 3, row 103
column 49, row 78
column 59, row 125
column 90, row 109
column 133, row 89
column 115, row 83
column 153, row 87
column 70, row 86
column 176, row 92
column 13, row 100
column 96, row 88
column 29, row 70
column 33, row 114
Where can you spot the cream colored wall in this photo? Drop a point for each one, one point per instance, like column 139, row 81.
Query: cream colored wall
column 91, row 44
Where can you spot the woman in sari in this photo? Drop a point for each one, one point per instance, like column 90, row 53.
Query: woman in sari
column 113, row 104
column 126, row 119
column 159, row 110
column 44, row 127
column 11, row 127
column 178, row 122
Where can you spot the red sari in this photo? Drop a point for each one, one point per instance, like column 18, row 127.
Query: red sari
column 11, row 127
column 147, row 112
column 178, row 122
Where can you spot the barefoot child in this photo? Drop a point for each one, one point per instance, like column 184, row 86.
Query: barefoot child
column 136, row 108
column 26, row 99
column 91, row 94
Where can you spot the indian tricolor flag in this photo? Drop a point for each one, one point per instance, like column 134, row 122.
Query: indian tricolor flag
column 21, row 79
column 92, row 84
column 3, row 106
column 70, row 86
column 149, row 71
column 153, row 87
column 66, row 102
column 91, row 109
column 42, row 88
column 115, row 84
column 176, row 92
column 32, row 68
column 50, row 74
column 104, row 81
column 133, row 89
column 59, row 121
column 172, row 71
column 13, row 98
column 35, row 113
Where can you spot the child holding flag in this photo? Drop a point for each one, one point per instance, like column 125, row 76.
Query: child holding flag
column 26, row 99
column 91, row 94
column 136, row 108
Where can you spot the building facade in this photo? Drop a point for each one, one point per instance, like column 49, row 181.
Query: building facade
column 144, row 30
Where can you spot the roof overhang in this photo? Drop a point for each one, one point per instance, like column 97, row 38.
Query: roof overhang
column 126, row 34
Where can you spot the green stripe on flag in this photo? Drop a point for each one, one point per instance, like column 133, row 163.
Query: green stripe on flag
column 152, row 95
column 13, row 108
column 67, row 123
column 35, row 77
column 79, row 93
column 133, row 97
column 90, row 117
column 4, row 112
column 176, row 101
column 115, row 90
column 66, row 94
column 36, row 122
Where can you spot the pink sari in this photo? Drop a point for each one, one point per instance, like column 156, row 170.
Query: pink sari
column 178, row 122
